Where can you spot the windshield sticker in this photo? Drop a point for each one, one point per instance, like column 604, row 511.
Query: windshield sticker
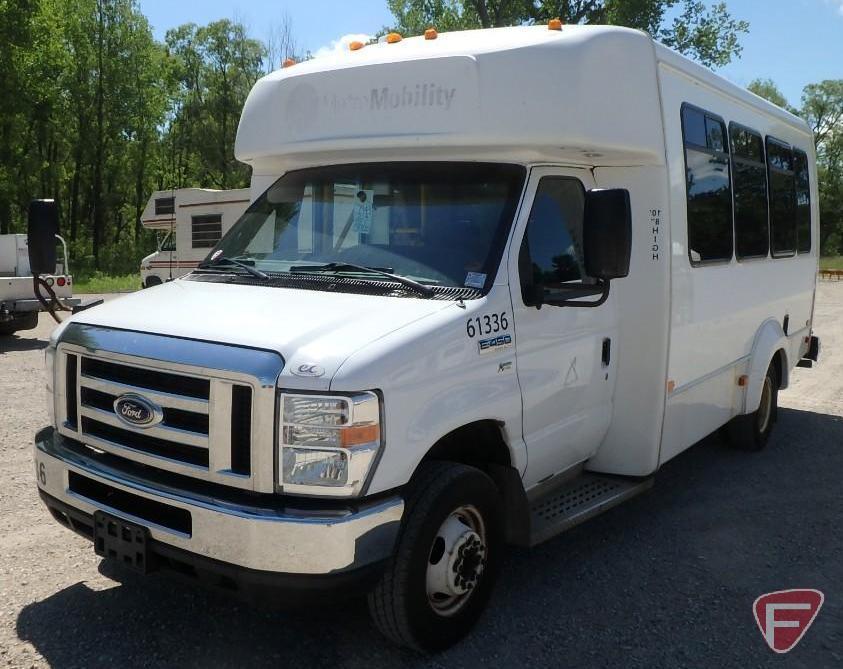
column 363, row 212
column 475, row 280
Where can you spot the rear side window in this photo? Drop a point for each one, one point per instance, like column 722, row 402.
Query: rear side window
column 782, row 187
column 206, row 231
column 749, row 179
column 708, row 186
column 803, row 201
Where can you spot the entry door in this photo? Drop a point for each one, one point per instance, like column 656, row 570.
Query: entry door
column 564, row 353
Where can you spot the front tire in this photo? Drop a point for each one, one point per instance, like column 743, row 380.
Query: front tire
column 750, row 432
column 440, row 578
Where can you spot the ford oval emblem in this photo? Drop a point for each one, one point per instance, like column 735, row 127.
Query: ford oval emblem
column 137, row 411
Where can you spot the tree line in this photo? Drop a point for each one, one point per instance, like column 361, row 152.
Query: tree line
column 97, row 113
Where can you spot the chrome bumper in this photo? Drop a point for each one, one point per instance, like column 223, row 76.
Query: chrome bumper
column 299, row 541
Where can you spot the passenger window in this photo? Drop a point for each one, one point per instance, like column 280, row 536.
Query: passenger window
column 551, row 253
column 708, row 185
column 803, row 202
column 782, row 198
column 749, row 174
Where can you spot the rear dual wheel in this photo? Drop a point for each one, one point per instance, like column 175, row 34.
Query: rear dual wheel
column 751, row 432
column 441, row 575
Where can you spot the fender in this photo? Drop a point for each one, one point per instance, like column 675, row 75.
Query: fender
column 768, row 340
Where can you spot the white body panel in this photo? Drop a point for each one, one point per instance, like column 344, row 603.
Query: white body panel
column 599, row 104
column 719, row 310
column 165, row 265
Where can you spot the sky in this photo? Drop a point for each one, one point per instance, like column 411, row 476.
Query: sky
column 792, row 42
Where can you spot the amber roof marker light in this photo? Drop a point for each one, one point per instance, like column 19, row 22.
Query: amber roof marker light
column 288, row 62
column 355, row 46
column 554, row 24
column 393, row 38
column 431, row 33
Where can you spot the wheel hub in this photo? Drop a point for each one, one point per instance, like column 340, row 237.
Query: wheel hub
column 466, row 564
column 457, row 560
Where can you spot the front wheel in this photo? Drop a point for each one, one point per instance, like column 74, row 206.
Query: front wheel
column 441, row 576
column 750, row 432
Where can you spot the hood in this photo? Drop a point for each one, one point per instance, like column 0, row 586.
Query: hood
column 305, row 326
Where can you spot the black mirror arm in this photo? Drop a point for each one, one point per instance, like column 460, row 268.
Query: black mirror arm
column 604, row 295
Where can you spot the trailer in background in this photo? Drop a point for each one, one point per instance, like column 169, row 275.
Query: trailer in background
column 19, row 305
column 191, row 221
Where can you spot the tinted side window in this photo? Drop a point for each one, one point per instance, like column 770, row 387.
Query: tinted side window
column 803, row 202
column 782, row 198
column 709, row 187
column 206, row 230
column 749, row 177
column 551, row 253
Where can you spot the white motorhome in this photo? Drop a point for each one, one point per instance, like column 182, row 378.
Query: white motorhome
column 19, row 304
column 570, row 255
column 190, row 221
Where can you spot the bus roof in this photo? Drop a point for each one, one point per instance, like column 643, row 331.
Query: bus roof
column 582, row 95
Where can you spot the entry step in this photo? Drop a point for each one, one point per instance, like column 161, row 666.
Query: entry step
column 578, row 500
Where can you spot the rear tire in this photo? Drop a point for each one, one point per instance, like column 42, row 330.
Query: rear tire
column 750, row 432
column 20, row 321
column 439, row 580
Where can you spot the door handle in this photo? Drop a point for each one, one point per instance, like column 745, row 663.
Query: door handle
column 607, row 351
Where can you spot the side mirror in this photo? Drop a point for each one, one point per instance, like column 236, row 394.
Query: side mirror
column 42, row 228
column 607, row 233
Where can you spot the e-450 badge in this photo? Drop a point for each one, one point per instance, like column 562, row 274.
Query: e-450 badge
column 493, row 344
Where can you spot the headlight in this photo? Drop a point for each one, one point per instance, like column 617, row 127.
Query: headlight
column 328, row 443
column 49, row 363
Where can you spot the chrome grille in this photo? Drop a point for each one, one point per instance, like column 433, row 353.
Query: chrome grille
column 216, row 420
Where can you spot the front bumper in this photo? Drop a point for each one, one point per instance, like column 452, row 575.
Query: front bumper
column 258, row 533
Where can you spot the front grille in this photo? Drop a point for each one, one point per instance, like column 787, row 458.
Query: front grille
column 176, row 384
column 213, row 406
column 143, row 443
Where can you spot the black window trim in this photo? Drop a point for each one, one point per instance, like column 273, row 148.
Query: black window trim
column 770, row 139
column 794, row 150
column 753, row 163
column 712, row 152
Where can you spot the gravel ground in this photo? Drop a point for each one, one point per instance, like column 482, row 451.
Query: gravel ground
column 666, row 580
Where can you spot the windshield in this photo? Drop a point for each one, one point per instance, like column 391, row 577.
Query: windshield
column 440, row 224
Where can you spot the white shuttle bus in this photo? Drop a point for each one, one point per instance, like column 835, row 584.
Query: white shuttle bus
column 191, row 221
column 488, row 284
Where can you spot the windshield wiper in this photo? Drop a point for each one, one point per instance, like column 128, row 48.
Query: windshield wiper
column 223, row 260
column 427, row 291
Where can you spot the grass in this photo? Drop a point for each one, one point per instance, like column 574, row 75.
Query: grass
column 105, row 283
column 831, row 262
